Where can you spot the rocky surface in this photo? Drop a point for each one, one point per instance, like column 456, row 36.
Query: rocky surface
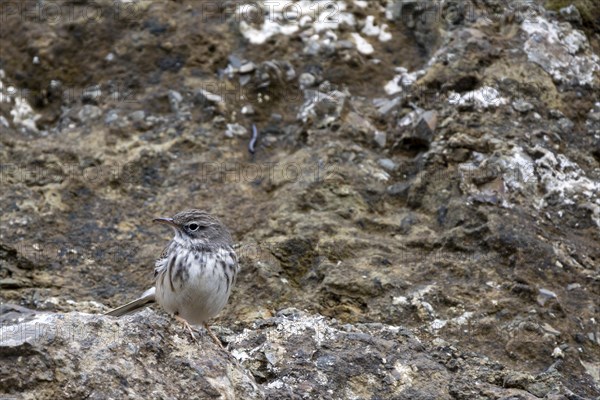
column 418, row 218
column 77, row 355
column 292, row 355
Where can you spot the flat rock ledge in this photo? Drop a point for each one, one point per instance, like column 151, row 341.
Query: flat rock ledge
column 292, row 355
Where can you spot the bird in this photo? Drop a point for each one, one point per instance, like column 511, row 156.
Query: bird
column 195, row 273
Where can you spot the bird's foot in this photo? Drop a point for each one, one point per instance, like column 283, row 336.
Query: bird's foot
column 213, row 336
column 188, row 327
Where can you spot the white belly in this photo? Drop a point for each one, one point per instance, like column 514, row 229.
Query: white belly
column 200, row 291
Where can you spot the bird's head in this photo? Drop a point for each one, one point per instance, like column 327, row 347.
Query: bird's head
column 197, row 228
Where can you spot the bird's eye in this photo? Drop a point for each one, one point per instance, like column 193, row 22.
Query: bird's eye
column 195, row 227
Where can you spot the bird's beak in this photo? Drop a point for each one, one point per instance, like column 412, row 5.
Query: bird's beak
column 166, row 221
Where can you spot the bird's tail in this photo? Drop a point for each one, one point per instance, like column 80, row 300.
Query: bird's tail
column 145, row 299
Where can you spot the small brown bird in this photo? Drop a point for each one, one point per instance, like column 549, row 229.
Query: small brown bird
column 194, row 274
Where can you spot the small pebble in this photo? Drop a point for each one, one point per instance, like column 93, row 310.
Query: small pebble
column 247, row 68
column 558, row 353
column 306, row 80
column 380, row 138
column 137, row 116
column 387, row 164
column 235, row 130
column 522, row 106
column 248, row 110
column 566, row 125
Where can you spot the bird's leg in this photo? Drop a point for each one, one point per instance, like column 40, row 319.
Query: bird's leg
column 213, row 336
column 189, row 328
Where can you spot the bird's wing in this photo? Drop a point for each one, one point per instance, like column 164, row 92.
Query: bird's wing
column 160, row 261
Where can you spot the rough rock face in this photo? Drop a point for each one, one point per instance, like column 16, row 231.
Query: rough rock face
column 424, row 187
column 292, row 355
column 92, row 356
